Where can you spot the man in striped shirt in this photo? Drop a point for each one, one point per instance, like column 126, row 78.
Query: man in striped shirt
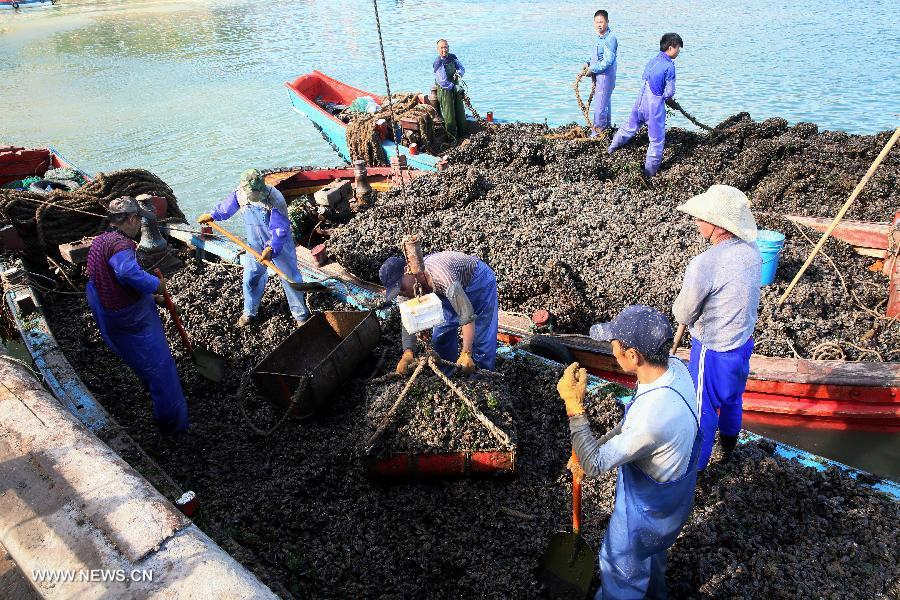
column 467, row 288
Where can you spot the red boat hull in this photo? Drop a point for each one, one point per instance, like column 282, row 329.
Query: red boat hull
column 788, row 392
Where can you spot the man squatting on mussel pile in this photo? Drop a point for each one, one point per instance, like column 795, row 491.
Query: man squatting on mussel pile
column 670, row 422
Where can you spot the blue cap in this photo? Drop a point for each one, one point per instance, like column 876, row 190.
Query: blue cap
column 640, row 327
column 390, row 274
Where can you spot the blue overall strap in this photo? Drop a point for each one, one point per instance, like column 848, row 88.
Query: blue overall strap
column 664, row 387
column 646, row 519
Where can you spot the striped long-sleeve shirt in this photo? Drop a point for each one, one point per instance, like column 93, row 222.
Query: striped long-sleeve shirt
column 451, row 272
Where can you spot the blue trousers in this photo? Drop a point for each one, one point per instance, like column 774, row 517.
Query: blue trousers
column 720, row 379
column 482, row 293
column 256, row 275
column 601, row 104
column 650, row 109
column 135, row 333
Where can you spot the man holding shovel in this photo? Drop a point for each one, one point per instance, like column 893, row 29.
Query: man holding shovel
column 269, row 234
column 121, row 296
column 719, row 302
column 655, row 449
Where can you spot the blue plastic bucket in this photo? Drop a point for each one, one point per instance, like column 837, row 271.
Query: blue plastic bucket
column 770, row 244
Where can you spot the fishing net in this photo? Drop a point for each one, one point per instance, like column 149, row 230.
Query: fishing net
column 364, row 142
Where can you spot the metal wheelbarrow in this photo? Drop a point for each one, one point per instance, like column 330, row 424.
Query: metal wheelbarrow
column 304, row 370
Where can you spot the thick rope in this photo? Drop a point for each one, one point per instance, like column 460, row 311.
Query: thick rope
column 581, row 106
column 495, row 431
column 389, row 416
column 45, row 221
column 674, row 104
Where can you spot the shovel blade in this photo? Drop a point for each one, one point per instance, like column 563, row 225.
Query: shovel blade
column 309, row 286
column 209, row 364
column 567, row 567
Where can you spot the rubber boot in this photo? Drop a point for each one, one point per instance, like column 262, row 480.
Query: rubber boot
column 728, row 443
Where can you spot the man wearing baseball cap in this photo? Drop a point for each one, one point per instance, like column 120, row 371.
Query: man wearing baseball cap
column 719, row 301
column 268, row 231
column 467, row 288
column 655, row 449
column 121, row 296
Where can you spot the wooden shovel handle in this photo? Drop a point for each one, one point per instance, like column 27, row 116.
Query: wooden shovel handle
column 248, row 249
column 576, row 499
column 170, row 306
column 678, row 335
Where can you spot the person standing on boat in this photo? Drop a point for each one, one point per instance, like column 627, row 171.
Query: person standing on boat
column 121, row 296
column 719, row 301
column 467, row 288
column 650, row 106
column 602, row 68
column 448, row 72
column 269, row 233
column 655, row 450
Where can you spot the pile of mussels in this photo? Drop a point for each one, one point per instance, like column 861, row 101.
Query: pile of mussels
column 569, row 228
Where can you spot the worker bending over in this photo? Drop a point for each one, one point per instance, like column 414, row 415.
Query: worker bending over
column 448, row 73
column 655, row 449
column 602, row 68
column 121, row 296
column 718, row 301
column 467, row 288
column 269, row 233
column 650, row 106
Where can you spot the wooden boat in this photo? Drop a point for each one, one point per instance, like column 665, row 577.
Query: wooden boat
column 790, row 392
column 18, row 163
column 293, row 182
column 17, row 4
column 306, row 89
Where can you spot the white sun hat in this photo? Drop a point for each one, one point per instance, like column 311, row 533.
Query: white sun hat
column 725, row 206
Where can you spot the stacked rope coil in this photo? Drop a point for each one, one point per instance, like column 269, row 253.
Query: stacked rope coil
column 44, row 221
column 365, row 144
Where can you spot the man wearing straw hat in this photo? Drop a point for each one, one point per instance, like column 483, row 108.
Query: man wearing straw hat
column 718, row 302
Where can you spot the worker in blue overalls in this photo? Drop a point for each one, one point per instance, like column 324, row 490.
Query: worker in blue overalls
column 467, row 288
column 269, row 233
column 654, row 448
column 602, row 69
column 650, row 107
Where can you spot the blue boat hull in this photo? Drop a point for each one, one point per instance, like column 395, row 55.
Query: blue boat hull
column 335, row 131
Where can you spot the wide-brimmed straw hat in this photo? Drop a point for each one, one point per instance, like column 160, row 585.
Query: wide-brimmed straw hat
column 725, row 206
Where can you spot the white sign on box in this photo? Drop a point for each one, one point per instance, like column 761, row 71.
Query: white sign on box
column 421, row 313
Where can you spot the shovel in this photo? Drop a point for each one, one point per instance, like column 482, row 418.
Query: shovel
column 567, row 567
column 209, row 364
column 300, row 287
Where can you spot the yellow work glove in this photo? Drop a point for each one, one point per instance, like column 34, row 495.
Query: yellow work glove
column 465, row 362
column 266, row 253
column 204, row 218
column 571, row 388
column 575, row 467
column 405, row 361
